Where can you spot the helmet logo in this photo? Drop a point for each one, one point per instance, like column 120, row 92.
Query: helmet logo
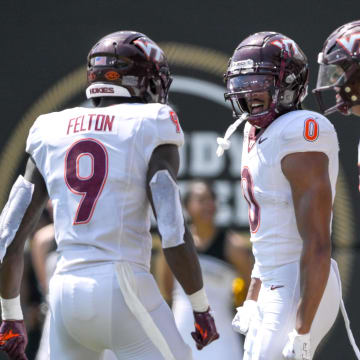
column 150, row 49
column 112, row 75
column 289, row 46
column 349, row 43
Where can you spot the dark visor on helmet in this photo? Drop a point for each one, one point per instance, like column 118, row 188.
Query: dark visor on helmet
column 244, row 86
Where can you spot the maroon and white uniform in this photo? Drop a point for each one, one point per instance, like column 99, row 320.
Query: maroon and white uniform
column 275, row 238
column 94, row 162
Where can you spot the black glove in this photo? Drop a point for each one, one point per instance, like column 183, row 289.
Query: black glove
column 205, row 329
column 13, row 339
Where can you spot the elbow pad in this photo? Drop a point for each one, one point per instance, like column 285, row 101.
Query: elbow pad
column 166, row 198
column 13, row 212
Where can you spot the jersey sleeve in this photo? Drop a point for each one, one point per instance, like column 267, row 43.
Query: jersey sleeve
column 163, row 129
column 34, row 142
column 310, row 132
column 255, row 273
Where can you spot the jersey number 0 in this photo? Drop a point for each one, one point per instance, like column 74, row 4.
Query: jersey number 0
column 90, row 187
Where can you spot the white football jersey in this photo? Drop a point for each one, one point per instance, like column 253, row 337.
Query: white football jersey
column 94, row 162
column 274, row 233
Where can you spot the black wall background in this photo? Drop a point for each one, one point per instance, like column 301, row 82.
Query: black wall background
column 43, row 41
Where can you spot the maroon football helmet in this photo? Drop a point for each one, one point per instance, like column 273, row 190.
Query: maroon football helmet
column 267, row 61
column 130, row 62
column 339, row 70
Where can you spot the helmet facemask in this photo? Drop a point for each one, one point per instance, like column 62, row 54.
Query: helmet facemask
column 333, row 78
column 253, row 94
column 158, row 87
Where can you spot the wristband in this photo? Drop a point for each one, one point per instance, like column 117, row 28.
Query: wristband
column 11, row 309
column 199, row 301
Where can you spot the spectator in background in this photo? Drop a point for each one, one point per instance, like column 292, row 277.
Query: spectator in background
column 225, row 259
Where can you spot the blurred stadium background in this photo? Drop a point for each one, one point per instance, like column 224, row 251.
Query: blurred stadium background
column 43, row 57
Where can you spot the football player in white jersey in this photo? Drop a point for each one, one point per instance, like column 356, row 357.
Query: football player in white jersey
column 339, row 73
column 102, row 167
column 289, row 172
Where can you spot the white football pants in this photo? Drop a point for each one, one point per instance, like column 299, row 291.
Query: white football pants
column 112, row 306
column 277, row 306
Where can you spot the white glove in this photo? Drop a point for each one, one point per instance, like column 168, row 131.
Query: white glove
column 297, row 347
column 243, row 317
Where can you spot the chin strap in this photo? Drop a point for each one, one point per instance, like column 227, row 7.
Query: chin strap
column 224, row 143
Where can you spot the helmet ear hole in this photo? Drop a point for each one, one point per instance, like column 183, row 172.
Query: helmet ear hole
column 287, row 98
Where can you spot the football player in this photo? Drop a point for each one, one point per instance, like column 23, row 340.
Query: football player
column 289, row 172
column 102, row 167
column 339, row 71
column 338, row 84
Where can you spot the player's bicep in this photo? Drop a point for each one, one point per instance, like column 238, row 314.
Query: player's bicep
column 308, row 176
column 164, row 157
column 305, row 169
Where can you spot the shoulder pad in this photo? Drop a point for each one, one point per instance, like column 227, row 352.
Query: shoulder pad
column 307, row 125
column 162, row 129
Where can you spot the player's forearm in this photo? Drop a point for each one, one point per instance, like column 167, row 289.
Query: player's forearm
column 11, row 271
column 254, row 289
column 184, row 264
column 314, row 273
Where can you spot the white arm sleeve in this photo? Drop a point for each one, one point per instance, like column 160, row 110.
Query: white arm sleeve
column 13, row 212
column 166, row 198
column 255, row 271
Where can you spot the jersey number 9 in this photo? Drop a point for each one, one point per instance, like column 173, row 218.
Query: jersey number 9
column 90, row 187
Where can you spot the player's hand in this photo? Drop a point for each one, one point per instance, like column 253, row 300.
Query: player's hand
column 13, row 339
column 297, row 347
column 205, row 329
column 243, row 317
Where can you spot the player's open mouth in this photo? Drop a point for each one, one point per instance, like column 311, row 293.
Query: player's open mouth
column 257, row 107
